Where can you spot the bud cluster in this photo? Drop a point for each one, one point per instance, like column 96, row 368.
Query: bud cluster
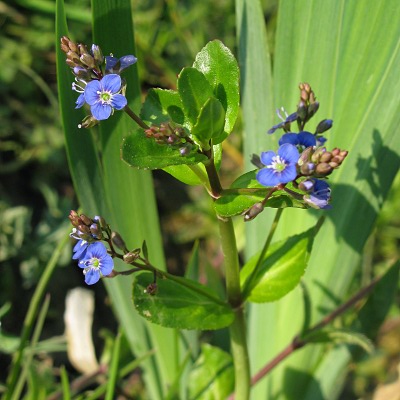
column 86, row 228
column 85, row 65
column 167, row 134
column 319, row 162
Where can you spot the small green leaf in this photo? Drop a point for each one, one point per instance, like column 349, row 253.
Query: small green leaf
column 212, row 376
column 194, row 91
column 280, row 271
column 332, row 335
column 162, row 106
column 186, row 175
column 231, row 204
column 220, row 67
column 180, row 303
column 210, row 122
column 142, row 152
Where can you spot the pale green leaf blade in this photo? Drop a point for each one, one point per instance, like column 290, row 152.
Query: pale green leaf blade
column 180, row 303
column 212, row 376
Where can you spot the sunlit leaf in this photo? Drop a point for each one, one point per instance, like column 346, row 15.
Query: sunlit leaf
column 180, row 303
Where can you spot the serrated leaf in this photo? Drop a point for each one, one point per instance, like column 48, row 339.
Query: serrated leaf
column 340, row 336
column 220, row 67
column 280, row 271
column 162, row 106
column 231, row 204
column 141, row 152
column 210, row 122
column 212, row 376
column 194, row 91
column 180, row 303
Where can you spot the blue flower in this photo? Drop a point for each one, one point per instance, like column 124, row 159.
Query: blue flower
column 303, row 139
column 117, row 65
column 96, row 263
column 80, row 249
column 280, row 167
column 319, row 196
column 289, row 119
column 103, row 96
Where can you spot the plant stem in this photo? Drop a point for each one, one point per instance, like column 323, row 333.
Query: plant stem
column 136, row 118
column 237, row 330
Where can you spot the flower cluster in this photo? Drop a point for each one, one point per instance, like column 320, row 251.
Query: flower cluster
column 90, row 251
column 97, row 80
column 301, row 158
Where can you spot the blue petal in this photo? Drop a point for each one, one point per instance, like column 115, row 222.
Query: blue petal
column 112, row 83
column 80, row 249
column 97, row 250
column 110, row 62
column 289, row 153
column 106, row 265
column 101, row 111
column 307, row 139
column 266, row 157
column 92, row 276
column 127, row 61
column 80, row 101
column 288, row 174
column 268, row 177
column 119, row 101
column 291, row 138
column 91, row 92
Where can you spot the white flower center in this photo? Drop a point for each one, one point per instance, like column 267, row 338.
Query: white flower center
column 278, row 164
column 105, row 96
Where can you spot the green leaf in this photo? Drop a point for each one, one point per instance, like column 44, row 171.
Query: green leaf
column 144, row 153
column 212, row 376
column 180, row 303
column 186, row 174
column 220, row 67
column 210, row 122
column 340, row 336
column 280, row 270
column 231, row 204
column 194, row 91
column 162, row 106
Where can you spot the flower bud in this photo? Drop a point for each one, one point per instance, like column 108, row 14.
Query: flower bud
column 85, row 219
column 302, row 111
column 325, row 157
column 97, row 54
column 74, row 218
column 306, row 185
column 117, row 240
column 131, row 256
column 87, row 60
column 151, row 289
column 84, row 229
column 324, row 125
column 305, row 156
column 95, row 230
column 307, row 168
column 323, row 169
column 88, row 122
column 253, row 211
column 312, row 109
